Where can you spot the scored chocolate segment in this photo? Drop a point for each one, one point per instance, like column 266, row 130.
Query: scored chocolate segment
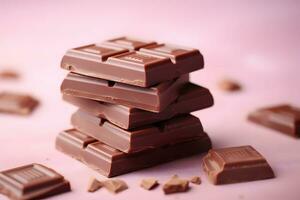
column 171, row 131
column 236, row 164
column 283, row 118
column 32, row 182
column 128, row 43
column 111, row 162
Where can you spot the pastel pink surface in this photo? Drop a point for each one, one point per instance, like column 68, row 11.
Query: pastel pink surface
column 255, row 43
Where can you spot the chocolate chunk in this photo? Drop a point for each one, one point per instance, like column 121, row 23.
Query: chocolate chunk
column 33, row 181
column 229, row 85
column 132, row 61
column 17, row 103
column 236, row 164
column 183, row 127
column 196, row 180
column 111, row 162
column 115, row 185
column 149, row 183
column 94, row 185
column 175, row 185
column 154, row 99
column 283, row 118
column 192, row 98
column 9, row 74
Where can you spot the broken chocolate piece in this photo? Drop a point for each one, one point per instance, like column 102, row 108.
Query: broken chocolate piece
column 196, row 180
column 149, row 183
column 132, row 62
column 283, row 118
column 236, row 164
column 192, row 98
column 177, row 129
column 94, row 185
column 175, row 185
column 32, row 181
column 229, row 85
column 8, row 74
column 115, row 185
column 17, row 103
column 154, row 99
column 111, row 162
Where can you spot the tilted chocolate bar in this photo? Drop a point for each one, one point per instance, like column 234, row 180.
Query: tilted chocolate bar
column 17, row 103
column 32, row 181
column 236, row 164
column 173, row 130
column 192, row 98
column 111, row 162
column 154, row 99
column 283, row 118
column 132, row 61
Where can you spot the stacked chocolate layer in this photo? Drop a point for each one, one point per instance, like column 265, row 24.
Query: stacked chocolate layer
column 134, row 100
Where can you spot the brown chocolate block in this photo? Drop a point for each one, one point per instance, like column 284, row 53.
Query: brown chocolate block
column 154, row 99
column 192, row 98
column 32, row 181
column 175, row 185
column 132, row 61
column 283, row 118
column 183, row 127
column 15, row 103
column 111, row 162
column 236, row 164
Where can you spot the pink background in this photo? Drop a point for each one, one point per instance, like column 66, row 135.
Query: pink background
column 254, row 42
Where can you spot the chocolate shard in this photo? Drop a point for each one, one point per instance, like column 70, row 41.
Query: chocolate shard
column 196, row 180
column 132, row 62
column 32, row 181
column 149, row 183
column 236, row 164
column 154, row 99
column 111, row 162
column 175, row 185
column 229, row 85
column 192, row 98
column 16, row 103
column 94, row 185
column 183, row 127
column 115, row 185
column 9, row 74
column 283, row 118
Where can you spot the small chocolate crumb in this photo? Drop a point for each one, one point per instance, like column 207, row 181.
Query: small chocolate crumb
column 196, row 180
column 94, row 185
column 175, row 185
column 229, row 85
column 115, row 185
column 149, row 183
column 9, row 74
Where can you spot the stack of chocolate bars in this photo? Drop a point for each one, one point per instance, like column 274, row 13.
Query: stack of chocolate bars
column 134, row 100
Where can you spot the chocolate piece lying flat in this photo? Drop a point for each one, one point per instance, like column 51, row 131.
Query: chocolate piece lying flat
column 196, row 180
column 113, row 60
column 153, row 99
column 9, row 74
column 115, row 185
column 236, row 164
column 229, row 85
column 111, row 162
column 173, row 130
column 175, row 185
column 149, row 183
column 283, row 118
column 192, row 98
column 17, row 103
column 33, row 181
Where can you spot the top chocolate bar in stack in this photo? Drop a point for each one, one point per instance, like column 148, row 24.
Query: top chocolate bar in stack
column 133, row 62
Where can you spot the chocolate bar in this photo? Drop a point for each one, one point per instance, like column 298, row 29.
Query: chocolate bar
column 32, row 181
column 173, row 130
column 236, row 164
column 111, row 162
column 15, row 103
column 192, row 98
column 132, row 61
column 153, row 99
column 283, row 118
